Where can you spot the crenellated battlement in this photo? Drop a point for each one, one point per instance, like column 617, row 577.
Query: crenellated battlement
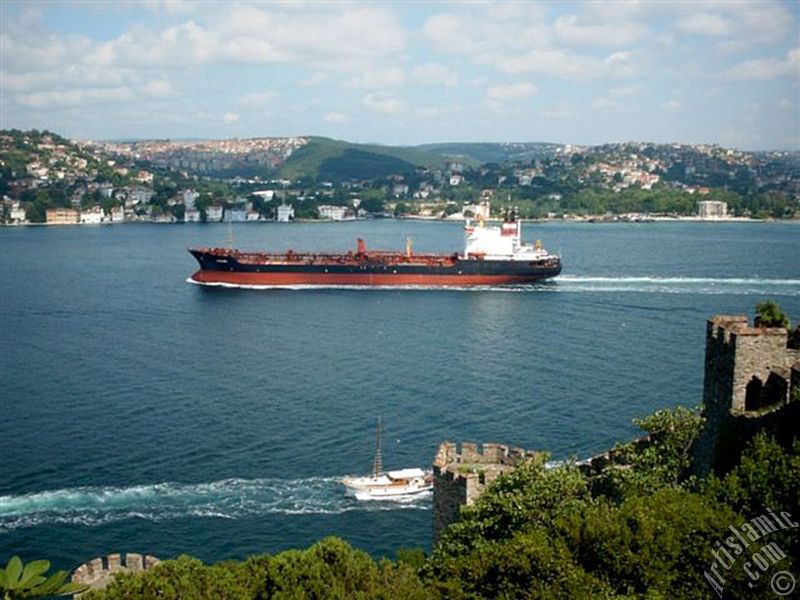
column 461, row 472
column 450, row 453
column 741, row 360
column 98, row 573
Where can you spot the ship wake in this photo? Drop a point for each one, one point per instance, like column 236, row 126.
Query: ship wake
column 680, row 285
column 579, row 283
column 225, row 499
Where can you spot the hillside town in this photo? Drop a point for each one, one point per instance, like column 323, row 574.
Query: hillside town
column 45, row 178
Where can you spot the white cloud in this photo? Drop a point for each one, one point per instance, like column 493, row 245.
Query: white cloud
column 319, row 78
column 670, row 105
column 378, row 77
column 513, row 91
column 431, row 73
column 559, row 111
column 170, row 6
column 158, row 88
column 615, row 98
column 384, row 103
column 706, row 24
column 604, row 103
column 572, row 29
column 528, row 44
column 340, row 37
column 335, row 117
column 786, row 104
column 230, row 117
column 85, row 97
column 485, row 36
column 569, row 65
column 763, row 21
column 257, row 101
column 767, row 68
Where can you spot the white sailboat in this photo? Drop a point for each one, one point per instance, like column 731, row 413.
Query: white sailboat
column 390, row 485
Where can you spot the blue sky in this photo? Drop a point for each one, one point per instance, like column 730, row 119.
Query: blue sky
column 406, row 73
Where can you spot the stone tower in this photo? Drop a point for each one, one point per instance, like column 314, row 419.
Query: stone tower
column 460, row 476
column 750, row 376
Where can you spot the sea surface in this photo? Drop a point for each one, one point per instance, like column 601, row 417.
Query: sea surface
column 142, row 413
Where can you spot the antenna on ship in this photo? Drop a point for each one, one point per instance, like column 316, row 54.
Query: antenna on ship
column 377, row 464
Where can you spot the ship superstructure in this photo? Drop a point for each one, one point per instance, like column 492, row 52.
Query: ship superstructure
column 493, row 255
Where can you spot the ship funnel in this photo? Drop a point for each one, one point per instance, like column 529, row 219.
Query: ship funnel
column 362, row 247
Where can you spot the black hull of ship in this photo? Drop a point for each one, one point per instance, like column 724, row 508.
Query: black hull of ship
column 230, row 268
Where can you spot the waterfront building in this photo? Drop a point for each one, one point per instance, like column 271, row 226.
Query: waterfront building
column 18, row 215
column 62, row 216
column 335, row 213
column 92, row 216
column 117, row 214
column 188, row 197
column 712, row 209
column 285, row 213
column 192, row 215
column 214, row 213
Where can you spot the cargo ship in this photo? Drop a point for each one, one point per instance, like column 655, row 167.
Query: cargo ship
column 493, row 255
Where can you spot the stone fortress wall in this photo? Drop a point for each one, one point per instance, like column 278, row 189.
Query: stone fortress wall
column 97, row 573
column 461, row 474
column 751, row 383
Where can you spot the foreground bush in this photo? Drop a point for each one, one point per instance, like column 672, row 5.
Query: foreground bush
column 328, row 569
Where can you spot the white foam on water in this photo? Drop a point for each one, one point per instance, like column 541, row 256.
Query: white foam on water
column 225, row 499
column 679, row 280
column 680, row 285
column 577, row 283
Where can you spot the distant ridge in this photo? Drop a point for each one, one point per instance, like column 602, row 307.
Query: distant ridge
column 336, row 160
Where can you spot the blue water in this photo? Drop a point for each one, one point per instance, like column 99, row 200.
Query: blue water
column 142, row 413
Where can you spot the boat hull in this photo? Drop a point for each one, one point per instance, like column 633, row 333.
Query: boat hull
column 227, row 270
column 386, row 488
column 366, row 495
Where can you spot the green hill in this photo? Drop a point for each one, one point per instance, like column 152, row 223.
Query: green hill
column 336, row 160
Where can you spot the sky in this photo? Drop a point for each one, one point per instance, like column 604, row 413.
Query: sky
column 406, row 72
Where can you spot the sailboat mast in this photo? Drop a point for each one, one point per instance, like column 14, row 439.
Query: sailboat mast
column 377, row 465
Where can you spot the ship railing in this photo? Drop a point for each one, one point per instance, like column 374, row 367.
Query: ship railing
column 290, row 257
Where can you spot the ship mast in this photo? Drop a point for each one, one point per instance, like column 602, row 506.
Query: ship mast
column 377, row 464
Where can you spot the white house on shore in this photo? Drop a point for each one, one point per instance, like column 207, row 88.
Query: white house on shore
column 117, row 214
column 93, row 216
column 18, row 214
column 712, row 209
column 191, row 215
column 214, row 213
column 335, row 213
column 285, row 213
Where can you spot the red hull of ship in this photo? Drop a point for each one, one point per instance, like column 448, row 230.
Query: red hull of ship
column 234, row 278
